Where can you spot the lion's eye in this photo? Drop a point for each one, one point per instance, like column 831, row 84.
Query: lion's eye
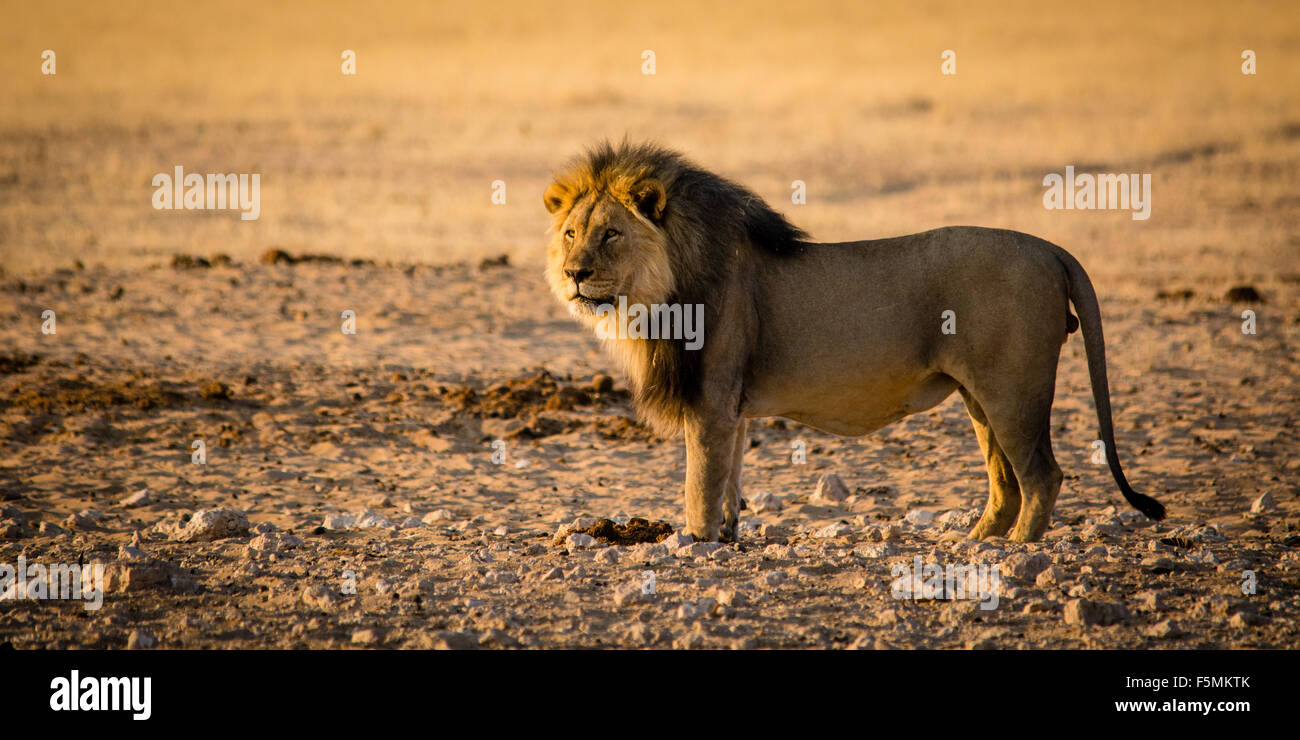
column 569, row 234
column 610, row 234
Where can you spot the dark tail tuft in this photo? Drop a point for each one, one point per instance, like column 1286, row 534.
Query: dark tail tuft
column 1143, row 503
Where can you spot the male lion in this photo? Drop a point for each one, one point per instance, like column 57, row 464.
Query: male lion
column 843, row 337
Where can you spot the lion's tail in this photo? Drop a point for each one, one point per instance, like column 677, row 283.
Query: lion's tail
column 1085, row 303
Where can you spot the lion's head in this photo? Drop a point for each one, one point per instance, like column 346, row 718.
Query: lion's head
column 608, row 243
column 641, row 222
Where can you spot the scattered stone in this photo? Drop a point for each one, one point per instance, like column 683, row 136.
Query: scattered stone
column 1152, row 600
column 830, row 489
column 448, row 640
column 339, row 521
column 956, row 519
column 630, row 593
column 1158, row 565
column 81, row 522
column 697, row 550
column 495, row 638
column 141, row 640
column 50, row 529
column 139, row 498
column 441, row 515
column 1050, row 577
column 1024, row 566
column 919, row 517
column 722, row 554
column 1242, row 619
column 136, row 571
column 366, row 636
column 368, row 519
column 1264, row 503
column 677, row 540
column 876, row 551
column 207, row 525
column 320, row 597
column 765, row 502
column 579, row 541
column 274, row 542
column 1097, row 531
column 1164, row 629
column 1088, row 613
column 838, row 529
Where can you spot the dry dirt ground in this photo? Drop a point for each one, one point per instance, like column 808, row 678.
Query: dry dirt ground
column 378, row 517
column 364, row 463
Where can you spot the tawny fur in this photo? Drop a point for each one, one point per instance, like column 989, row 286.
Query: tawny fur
column 843, row 337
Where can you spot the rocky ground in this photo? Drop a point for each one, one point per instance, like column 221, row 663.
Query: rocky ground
column 417, row 484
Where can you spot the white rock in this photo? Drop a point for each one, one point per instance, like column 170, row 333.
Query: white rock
column 875, row 552
column 1025, row 566
column 919, row 517
column 697, row 550
column 339, row 521
column 649, row 551
column 368, row 519
column 580, row 541
column 764, row 502
column 139, row 498
column 837, row 529
column 212, row 524
column 677, row 540
column 722, row 554
column 630, row 593
column 441, row 515
column 831, row 489
column 1264, row 503
column 129, row 553
column 274, row 542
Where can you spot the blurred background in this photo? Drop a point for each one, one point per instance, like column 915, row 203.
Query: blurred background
column 396, row 163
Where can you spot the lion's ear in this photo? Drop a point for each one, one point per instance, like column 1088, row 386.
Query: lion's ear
column 650, row 198
column 555, row 197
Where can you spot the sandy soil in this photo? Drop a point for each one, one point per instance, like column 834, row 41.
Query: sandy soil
column 373, row 454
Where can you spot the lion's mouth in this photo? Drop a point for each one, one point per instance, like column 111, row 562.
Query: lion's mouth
column 590, row 303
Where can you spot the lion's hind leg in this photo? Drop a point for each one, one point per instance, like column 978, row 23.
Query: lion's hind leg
column 1022, row 428
column 1004, row 491
column 1042, row 484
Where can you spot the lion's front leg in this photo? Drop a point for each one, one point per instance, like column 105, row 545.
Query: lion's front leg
column 710, row 449
column 731, row 503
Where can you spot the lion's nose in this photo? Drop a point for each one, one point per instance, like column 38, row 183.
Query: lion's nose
column 577, row 276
